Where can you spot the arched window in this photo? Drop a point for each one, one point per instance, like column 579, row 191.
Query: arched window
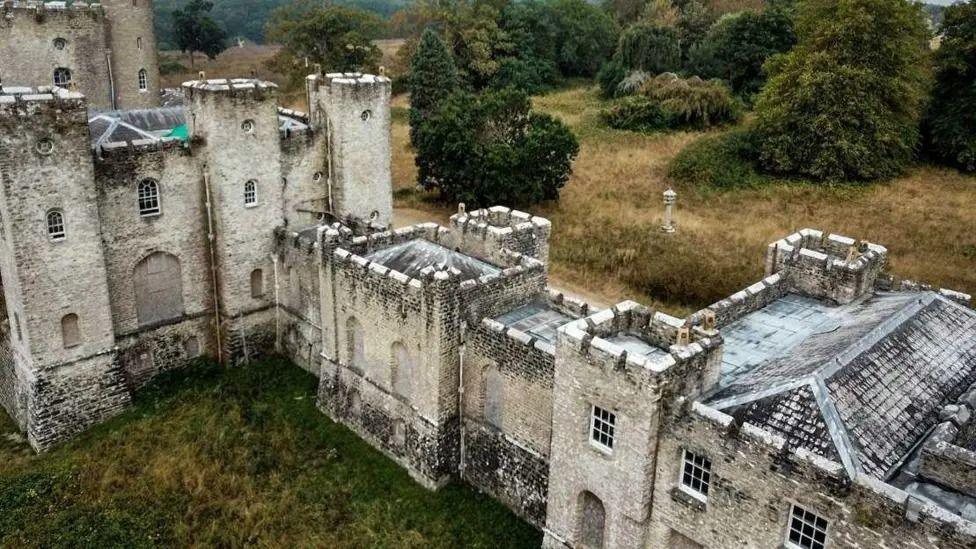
column 355, row 346
column 62, row 76
column 70, row 332
column 139, row 43
column 143, row 79
column 403, row 372
column 251, row 193
column 257, row 283
column 149, row 198
column 158, row 288
column 592, row 521
column 55, row 225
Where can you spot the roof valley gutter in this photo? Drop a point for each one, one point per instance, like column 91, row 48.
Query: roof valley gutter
column 838, row 432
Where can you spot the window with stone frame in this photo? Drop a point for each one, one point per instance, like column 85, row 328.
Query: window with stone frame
column 696, row 475
column 143, row 80
column 62, row 76
column 602, row 425
column 251, row 193
column 70, row 331
column 807, row 530
column 148, row 191
column 257, row 283
column 55, row 225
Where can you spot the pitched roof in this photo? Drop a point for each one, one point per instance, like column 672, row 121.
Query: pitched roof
column 876, row 372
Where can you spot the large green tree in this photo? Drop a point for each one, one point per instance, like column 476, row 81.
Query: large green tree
column 646, row 48
column 493, row 149
column 195, row 31
column 433, row 78
column 846, row 102
column 738, row 45
column 336, row 37
column 586, row 37
column 951, row 120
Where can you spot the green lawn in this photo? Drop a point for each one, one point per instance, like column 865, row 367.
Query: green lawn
column 213, row 457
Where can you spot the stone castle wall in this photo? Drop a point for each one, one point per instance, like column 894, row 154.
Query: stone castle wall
column 132, row 40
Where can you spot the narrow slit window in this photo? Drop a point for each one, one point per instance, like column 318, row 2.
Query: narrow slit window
column 602, row 425
column 251, row 193
column 55, row 225
column 148, row 198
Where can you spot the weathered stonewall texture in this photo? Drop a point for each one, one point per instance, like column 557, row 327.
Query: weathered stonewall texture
column 103, row 46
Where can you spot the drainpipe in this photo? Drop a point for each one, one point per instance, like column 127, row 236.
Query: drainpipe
column 274, row 262
column 328, row 142
column 213, row 265
column 464, row 329
column 111, row 79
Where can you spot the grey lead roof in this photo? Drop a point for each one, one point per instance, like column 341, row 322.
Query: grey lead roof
column 876, row 372
column 413, row 256
column 537, row 319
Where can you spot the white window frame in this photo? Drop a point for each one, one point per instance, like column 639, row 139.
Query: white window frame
column 59, row 231
column 802, row 517
column 149, row 211
column 250, row 193
column 603, row 425
column 143, row 80
column 700, row 472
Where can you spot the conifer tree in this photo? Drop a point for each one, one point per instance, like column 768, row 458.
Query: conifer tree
column 951, row 122
column 433, row 78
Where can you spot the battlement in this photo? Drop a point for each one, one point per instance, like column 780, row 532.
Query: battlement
column 350, row 80
column 236, row 87
column 26, row 101
column 41, row 10
column 637, row 337
column 120, row 149
column 487, row 231
column 826, row 266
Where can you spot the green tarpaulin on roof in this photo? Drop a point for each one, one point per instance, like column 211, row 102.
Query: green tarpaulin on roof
column 180, row 132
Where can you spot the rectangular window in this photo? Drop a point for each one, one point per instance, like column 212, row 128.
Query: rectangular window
column 696, row 474
column 601, row 428
column 807, row 530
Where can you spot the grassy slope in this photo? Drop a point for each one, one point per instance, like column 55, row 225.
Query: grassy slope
column 605, row 225
column 232, row 458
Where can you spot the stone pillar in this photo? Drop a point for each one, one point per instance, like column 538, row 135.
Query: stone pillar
column 669, row 199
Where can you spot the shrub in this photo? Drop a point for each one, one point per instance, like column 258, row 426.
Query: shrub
column 492, row 149
column 846, row 102
column 633, row 82
column 667, row 101
column 721, row 161
column 737, row 46
column 951, row 120
column 692, row 101
column 611, row 74
column 638, row 113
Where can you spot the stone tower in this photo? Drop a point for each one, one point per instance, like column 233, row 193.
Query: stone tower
column 355, row 111
column 63, row 375
column 132, row 46
column 235, row 123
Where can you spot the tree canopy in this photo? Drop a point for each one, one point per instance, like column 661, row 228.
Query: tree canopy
column 433, row 78
column 195, row 31
column 846, row 102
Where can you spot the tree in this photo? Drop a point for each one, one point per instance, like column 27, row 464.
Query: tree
column 336, row 37
column 586, row 37
column 738, row 45
column 846, row 102
column 492, row 149
column 951, row 120
column 195, row 31
column 644, row 48
column 433, row 78
column 693, row 25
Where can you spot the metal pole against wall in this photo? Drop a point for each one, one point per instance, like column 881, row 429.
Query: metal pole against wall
column 213, row 265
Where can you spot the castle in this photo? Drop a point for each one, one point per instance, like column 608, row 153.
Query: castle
column 106, row 51
column 823, row 406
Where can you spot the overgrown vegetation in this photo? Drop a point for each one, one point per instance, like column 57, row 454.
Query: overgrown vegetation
column 232, row 458
column 719, row 161
column 951, row 119
column 846, row 102
column 668, row 101
column 195, row 31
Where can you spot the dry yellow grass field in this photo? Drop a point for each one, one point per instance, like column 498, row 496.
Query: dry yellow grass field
column 605, row 226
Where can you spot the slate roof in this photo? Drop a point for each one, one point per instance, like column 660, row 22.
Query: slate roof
column 413, row 256
column 862, row 382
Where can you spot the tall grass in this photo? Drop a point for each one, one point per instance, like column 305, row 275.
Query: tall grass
column 210, row 457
